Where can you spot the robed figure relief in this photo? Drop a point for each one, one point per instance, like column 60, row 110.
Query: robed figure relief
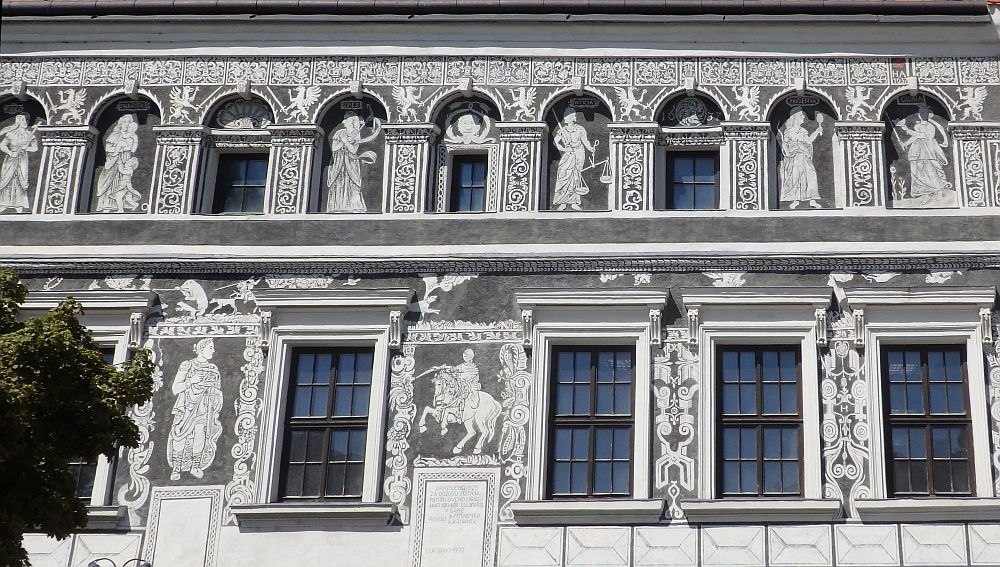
column 16, row 142
column 344, row 174
column 458, row 398
column 572, row 142
column 114, row 191
column 928, row 180
column 798, row 171
column 195, row 430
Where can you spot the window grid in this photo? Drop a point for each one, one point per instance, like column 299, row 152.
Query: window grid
column 592, row 422
column 692, row 180
column 327, row 421
column 928, row 421
column 760, row 430
column 468, row 183
column 239, row 183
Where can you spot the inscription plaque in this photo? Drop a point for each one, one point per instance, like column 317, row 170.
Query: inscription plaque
column 455, row 521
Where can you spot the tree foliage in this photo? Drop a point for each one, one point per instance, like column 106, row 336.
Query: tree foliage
column 59, row 401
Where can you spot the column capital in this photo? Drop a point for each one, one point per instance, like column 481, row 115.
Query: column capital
column 859, row 130
column 975, row 130
column 746, row 130
column 410, row 133
column 632, row 132
column 180, row 135
column 67, row 135
column 522, row 131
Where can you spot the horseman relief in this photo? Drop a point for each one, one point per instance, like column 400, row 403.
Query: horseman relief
column 459, row 398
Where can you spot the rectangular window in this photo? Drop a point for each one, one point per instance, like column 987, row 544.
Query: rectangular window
column 928, row 421
column 760, row 430
column 692, row 180
column 85, row 472
column 592, row 422
column 239, row 183
column 324, row 454
column 468, row 183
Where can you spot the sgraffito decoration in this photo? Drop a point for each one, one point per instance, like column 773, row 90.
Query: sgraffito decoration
column 992, row 351
column 675, row 391
column 516, row 401
column 397, row 485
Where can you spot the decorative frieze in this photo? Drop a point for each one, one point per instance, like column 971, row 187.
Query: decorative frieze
column 407, row 148
column 862, row 150
column 747, row 143
column 64, row 155
column 292, row 154
column 178, row 150
column 632, row 151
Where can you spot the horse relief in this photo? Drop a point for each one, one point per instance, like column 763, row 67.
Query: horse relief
column 458, row 398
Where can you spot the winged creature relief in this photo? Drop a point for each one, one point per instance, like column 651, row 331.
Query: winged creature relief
column 71, row 103
column 302, row 99
column 970, row 103
column 522, row 102
column 858, row 106
column 747, row 105
column 407, row 101
column 182, row 103
column 629, row 103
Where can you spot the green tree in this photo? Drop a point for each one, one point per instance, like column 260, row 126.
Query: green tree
column 59, row 400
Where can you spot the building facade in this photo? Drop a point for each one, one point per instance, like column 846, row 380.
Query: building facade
column 512, row 284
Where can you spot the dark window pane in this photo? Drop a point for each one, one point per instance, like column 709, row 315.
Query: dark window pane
column 730, row 399
column 901, row 476
column 622, row 443
column 621, row 477
column 355, row 479
column 789, row 398
column 953, row 365
column 942, row 477
column 918, row 443
column 918, row 476
column 914, row 398
column 342, row 400
column 356, row 445
column 564, row 399
column 935, row 366
column 731, row 477
column 939, row 397
column 960, row 476
column 359, row 403
column 748, row 476
column 623, row 399
column 748, row 443
column 602, row 477
column 293, row 480
column 956, row 397
column 578, row 479
column 602, row 445
column 748, row 366
column 605, row 398
column 338, row 444
column 605, row 366
column 562, row 443
column 319, row 400
column 730, row 366
column 312, row 480
column 940, row 442
column 958, row 447
column 297, row 446
column 771, row 398
column 772, row 476
column 900, row 443
column 335, row 474
column 731, row 443
column 560, row 478
column 790, row 443
column 790, row 476
column 581, row 399
column 772, row 443
column 769, row 366
column 748, row 399
column 897, row 398
column 581, row 443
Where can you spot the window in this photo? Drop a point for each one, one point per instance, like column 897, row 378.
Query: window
column 85, row 472
column 239, row 183
column 468, row 183
column 592, row 422
column 928, row 421
column 326, row 427
column 692, row 180
column 761, row 424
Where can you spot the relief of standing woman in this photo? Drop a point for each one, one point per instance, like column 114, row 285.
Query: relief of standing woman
column 344, row 178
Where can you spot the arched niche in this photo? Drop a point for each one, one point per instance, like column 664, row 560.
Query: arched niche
column 918, row 153
column 237, row 113
column 21, row 153
column 468, row 130
column 802, row 128
column 353, row 157
column 579, row 164
column 122, row 159
column 690, row 111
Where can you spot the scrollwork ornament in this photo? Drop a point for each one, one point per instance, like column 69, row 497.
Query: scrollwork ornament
column 59, row 176
column 397, row 484
column 992, row 351
column 172, row 179
column 516, row 401
column 675, row 387
column 862, row 173
column 290, row 162
column 404, row 179
column 240, row 490
column 519, row 170
column 133, row 494
column 632, row 176
column 974, row 172
column 747, row 174
column 845, row 430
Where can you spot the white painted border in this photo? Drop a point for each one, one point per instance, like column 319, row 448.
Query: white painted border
column 291, row 335
column 635, row 332
column 914, row 327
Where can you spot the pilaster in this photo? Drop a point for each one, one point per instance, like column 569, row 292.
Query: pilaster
column 293, row 149
column 747, row 145
column 408, row 149
column 64, row 159
column 972, row 161
column 863, row 155
column 521, row 152
column 177, row 162
column 632, row 148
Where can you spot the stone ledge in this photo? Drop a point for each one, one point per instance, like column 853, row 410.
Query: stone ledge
column 104, row 517
column 587, row 512
column 291, row 517
column 928, row 509
column 760, row 510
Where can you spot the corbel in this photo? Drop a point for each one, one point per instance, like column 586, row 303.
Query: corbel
column 913, row 85
column 356, row 87
column 136, row 328
column 395, row 328
column 693, row 323
column 859, row 328
column 655, row 327
column 527, row 327
column 465, row 85
column 132, row 89
column 822, row 337
column 800, row 85
column 690, row 85
column 986, row 325
column 20, row 90
column 576, row 83
column 244, row 89
column 265, row 331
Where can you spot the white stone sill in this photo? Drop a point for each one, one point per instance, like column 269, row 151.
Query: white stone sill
column 759, row 510
column 308, row 516
column 928, row 509
column 101, row 518
column 587, row 512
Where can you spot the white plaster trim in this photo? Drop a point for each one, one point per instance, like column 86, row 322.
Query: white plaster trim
column 91, row 299
column 298, row 329
column 758, row 316
column 928, row 509
column 760, row 510
column 333, row 298
column 914, row 296
column 928, row 322
column 557, row 326
column 289, row 517
column 103, row 517
column 617, row 298
column 587, row 512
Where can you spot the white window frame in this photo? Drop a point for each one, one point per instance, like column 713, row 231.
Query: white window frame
column 944, row 315
column 755, row 317
column 320, row 318
column 570, row 317
column 116, row 319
